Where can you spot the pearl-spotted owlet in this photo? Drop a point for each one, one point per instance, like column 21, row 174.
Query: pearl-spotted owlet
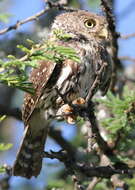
column 88, row 37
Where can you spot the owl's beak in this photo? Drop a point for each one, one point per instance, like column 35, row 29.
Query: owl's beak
column 103, row 33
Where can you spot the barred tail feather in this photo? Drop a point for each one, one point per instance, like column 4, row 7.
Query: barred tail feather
column 29, row 158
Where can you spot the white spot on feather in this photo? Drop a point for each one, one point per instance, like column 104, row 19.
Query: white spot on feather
column 64, row 75
column 30, row 146
column 23, row 164
column 44, row 69
column 37, row 144
column 25, row 154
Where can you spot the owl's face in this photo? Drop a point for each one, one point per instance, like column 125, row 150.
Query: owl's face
column 82, row 24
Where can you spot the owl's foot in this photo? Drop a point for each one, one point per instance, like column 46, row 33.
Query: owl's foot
column 79, row 101
column 68, row 111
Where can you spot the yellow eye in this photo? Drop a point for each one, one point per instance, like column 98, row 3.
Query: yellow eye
column 90, row 23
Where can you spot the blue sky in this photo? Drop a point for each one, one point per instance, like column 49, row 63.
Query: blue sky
column 125, row 24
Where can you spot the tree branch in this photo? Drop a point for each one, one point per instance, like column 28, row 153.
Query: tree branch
column 74, row 167
column 127, row 36
column 127, row 58
column 51, row 5
column 14, row 112
column 57, row 136
column 95, row 130
column 93, row 183
column 4, row 181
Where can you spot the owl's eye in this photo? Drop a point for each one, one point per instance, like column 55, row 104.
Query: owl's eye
column 90, row 23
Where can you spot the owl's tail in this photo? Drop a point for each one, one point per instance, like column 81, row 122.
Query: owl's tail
column 29, row 157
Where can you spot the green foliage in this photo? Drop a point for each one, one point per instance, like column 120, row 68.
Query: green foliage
column 131, row 183
column 60, row 184
column 55, row 184
column 94, row 3
column 59, row 34
column 4, row 17
column 118, row 109
column 121, row 122
column 4, row 147
column 75, row 3
column 102, row 185
column 2, row 169
column 13, row 71
column 2, row 117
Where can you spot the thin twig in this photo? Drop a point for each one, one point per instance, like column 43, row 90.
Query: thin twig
column 36, row 16
column 127, row 58
column 87, row 112
column 118, row 183
column 77, row 183
column 93, row 183
column 127, row 36
column 29, row 19
column 88, row 171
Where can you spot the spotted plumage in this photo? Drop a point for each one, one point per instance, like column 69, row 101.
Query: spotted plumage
column 88, row 36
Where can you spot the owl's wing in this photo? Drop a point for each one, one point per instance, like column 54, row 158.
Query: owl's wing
column 28, row 162
column 108, row 70
column 106, row 86
column 39, row 78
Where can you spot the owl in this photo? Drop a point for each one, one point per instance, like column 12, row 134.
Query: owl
column 88, row 37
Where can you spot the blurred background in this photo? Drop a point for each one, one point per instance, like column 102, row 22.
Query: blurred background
column 11, row 129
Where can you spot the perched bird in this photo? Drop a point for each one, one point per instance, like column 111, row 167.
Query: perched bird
column 88, row 36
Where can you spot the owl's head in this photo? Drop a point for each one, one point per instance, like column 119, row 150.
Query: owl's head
column 82, row 24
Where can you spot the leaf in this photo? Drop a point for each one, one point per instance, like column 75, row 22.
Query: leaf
column 2, row 169
column 94, row 3
column 13, row 72
column 24, row 49
column 5, row 17
column 2, row 117
column 4, row 147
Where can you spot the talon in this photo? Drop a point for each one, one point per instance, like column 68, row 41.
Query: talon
column 79, row 101
column 70, row 119
column 67, row 111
